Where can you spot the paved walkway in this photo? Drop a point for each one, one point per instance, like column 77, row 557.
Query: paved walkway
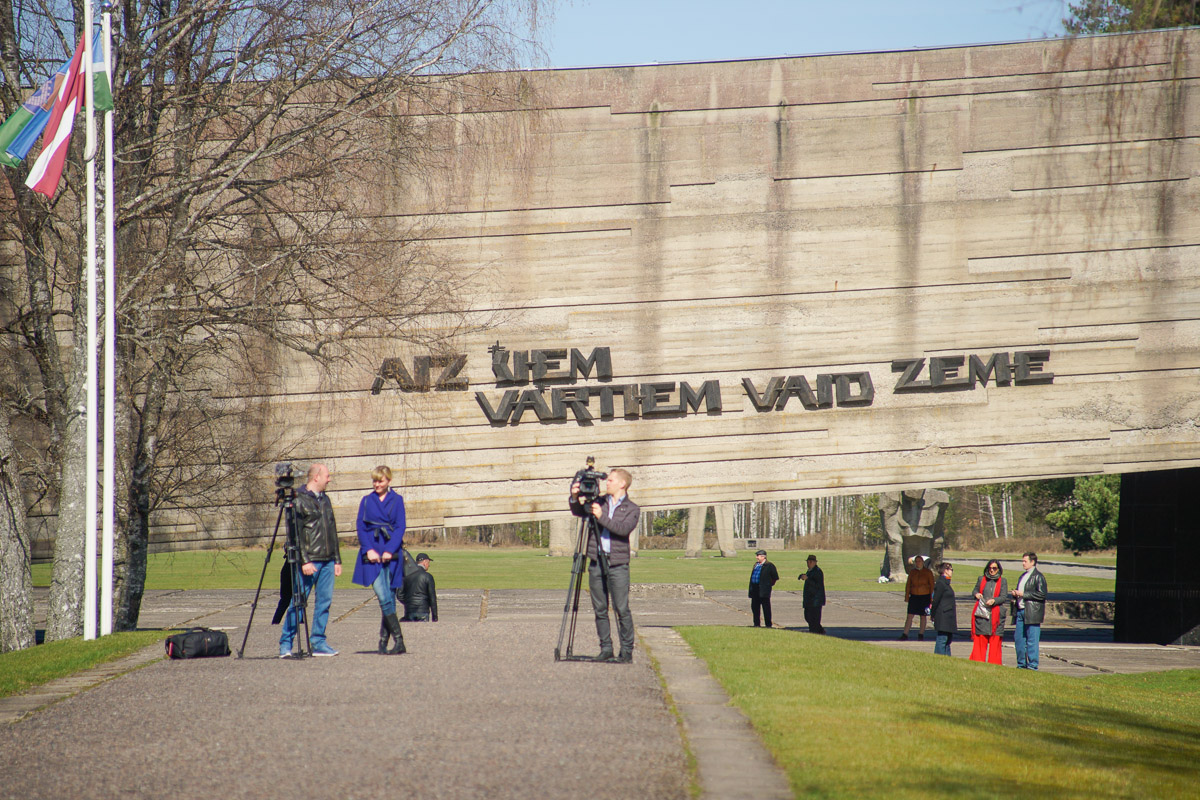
column 479, row 708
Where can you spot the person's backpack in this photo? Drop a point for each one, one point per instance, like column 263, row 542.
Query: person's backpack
column 197, row 643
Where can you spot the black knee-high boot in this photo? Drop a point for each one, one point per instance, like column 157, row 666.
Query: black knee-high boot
column 393, row 625
column 383, row 635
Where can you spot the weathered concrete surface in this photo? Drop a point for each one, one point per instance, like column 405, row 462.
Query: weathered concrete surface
column 786, row 219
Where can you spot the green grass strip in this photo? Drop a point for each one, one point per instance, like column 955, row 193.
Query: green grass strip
column 23, row 669
column 531, row 568
column 851, row 720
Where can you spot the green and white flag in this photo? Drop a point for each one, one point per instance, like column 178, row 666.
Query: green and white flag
column 101, row 87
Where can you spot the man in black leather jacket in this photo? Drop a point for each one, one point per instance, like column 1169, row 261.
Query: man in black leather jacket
column 420, row 593
column 1029, row 609
column 320, row 560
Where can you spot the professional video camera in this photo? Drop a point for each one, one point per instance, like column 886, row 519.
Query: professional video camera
column 284, row 479
column 292, row 594
column 589, row 491
column 589, row 480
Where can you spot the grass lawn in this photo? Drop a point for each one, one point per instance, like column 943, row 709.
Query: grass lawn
column 22, row 669
column 848, row 719
column 530, row 568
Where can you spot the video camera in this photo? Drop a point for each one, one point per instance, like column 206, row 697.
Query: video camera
column 589, row 481
column 284, row 479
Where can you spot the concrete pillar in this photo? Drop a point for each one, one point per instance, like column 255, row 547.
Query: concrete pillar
column 1158, row 547
column 695, row 534
column 725, row 530
column 564, row 531
column 635, row 535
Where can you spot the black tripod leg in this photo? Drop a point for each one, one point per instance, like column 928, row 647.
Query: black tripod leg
column 571, row 606
column 258, row 591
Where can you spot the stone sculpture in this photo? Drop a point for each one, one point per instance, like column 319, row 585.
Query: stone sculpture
column 912, row 526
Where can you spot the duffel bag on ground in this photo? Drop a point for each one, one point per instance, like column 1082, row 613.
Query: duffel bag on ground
column 197, row 643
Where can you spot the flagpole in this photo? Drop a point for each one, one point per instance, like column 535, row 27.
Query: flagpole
column 110, row 346
column 89, row 566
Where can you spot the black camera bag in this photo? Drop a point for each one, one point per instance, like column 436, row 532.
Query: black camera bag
column 197, row 643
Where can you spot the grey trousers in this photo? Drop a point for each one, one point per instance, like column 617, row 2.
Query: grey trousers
column 617, row 589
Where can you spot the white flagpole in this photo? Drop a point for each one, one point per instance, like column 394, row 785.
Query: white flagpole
column 89, row 566
column 110, row 346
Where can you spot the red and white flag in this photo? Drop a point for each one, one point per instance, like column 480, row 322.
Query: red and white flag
column 47, row 171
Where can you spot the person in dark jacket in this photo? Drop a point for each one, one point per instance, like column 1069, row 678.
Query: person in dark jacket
column 1029, row 609
column 320, row 560
column 420, row 593
column 763, row 578
column 814, row 595
column 943, row 610
column 608, row 580
column 988, row 614
column 380, row 527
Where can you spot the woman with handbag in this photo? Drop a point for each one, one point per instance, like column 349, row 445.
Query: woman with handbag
column 380, row 527
column 989, row 614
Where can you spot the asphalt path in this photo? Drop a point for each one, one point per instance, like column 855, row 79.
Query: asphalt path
column 478, row 709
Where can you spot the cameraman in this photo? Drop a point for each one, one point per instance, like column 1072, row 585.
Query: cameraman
column 617, row 516
column 320, row 559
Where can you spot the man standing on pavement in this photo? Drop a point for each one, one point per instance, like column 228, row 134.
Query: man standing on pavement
column 814, row 595
column 1029, row 609
column 608, row 574
column 420, row 594
column 320, row 560
column 762, row 578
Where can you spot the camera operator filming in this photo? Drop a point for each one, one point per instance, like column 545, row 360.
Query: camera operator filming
column 320, row 560
column 616, row 516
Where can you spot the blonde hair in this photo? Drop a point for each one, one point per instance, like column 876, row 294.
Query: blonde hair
column 382, row 472
column 626, row 478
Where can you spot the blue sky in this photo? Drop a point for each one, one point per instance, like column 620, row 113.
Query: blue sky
column 610, row 32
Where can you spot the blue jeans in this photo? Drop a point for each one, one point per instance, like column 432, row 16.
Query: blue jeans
column 383, row 590
column 1027, row 638
column 323, row 579
column 942, row 647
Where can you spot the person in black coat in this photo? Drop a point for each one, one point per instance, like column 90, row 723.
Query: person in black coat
column 762, row 578
column 943, row 610
column 420, row 594
column 814, row 595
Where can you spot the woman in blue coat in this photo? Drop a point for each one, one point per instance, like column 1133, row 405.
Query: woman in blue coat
column 380, row 528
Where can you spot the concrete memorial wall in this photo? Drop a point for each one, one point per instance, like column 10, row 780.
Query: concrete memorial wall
column 796, row 277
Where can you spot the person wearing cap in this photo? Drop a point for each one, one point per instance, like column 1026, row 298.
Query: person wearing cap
column 762, row 578
column 918, row 591
column 420, row 594
column 814, row 595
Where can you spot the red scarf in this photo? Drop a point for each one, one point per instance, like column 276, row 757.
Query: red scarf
column 994, row 609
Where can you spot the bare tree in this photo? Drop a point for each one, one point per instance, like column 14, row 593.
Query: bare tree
column 16, row 602
column 246, row 131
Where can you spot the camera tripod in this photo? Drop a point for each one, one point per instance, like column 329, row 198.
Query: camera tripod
column 285, row 498
column 587, row 527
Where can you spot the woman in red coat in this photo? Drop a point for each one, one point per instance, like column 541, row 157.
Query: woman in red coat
column 989, row 613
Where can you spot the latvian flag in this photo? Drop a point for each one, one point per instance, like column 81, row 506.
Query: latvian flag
column 47, row 170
